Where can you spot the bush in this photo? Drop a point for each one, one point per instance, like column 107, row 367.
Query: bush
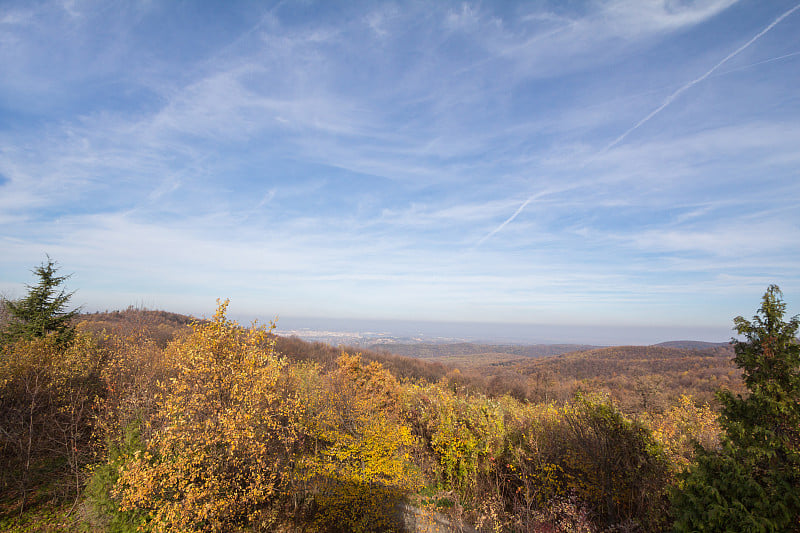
column 361, row 466
column 461, row 432
column 48, row 396
column 220, row 452
column 615, row 466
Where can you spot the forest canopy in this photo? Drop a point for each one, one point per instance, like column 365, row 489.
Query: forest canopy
column 148, row 421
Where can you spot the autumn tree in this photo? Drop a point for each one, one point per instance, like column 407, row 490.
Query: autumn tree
column 752, row 483
column 241, row 439
column 220, row 454
column 43, row 311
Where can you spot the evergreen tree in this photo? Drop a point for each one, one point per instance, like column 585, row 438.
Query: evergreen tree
column 753, row 482
column 43, row 310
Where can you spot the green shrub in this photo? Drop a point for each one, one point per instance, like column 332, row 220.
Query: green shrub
column 102, row 508
column 752, row 482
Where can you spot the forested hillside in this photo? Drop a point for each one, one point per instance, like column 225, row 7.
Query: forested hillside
column 437, row 351
column 719, row 348
column 152, row 421
column 643, row 378
column 638, row 378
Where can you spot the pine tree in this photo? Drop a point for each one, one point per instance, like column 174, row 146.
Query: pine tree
column 43, row 310
column 753, row 482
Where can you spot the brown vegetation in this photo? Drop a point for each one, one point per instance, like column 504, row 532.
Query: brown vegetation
column 640, row 378
column 158, row 326
column 468, row 354
column 208, row 426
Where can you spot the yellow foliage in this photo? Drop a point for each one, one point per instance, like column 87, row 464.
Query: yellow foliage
column 463, row 432
column 222, row 439
column 239, row 436
column 362, row 465
column 681, row 426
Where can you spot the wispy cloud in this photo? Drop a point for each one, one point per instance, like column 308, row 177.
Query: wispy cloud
column 699, row 79
column 444, row 160
column 634, row 17
column 666, row 20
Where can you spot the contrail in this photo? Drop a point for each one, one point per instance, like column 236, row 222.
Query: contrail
column 519, row 210
column 509, row 219
column 694, row 82
column 757, row 63
column 653, row 113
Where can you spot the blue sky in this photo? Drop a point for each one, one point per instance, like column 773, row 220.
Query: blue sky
column 621, row 163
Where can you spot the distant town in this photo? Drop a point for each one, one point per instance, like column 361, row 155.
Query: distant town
column 361, row 338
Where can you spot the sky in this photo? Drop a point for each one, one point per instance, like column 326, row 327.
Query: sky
column 605, row 165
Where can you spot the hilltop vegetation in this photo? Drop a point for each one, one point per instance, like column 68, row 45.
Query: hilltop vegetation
column 639, row 378
column 718, row 348
column 152, row 421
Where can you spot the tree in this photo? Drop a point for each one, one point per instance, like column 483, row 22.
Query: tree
column 221, row 452
column 752, row 483
column 240, row 439
column 43, row 311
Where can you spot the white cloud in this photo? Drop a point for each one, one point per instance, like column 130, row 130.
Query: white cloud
column 633, row 18
column 550, row 43
column 759, row 239
column 352, row 163
column 466, row 18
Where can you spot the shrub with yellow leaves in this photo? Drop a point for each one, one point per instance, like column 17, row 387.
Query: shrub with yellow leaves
column 361, row 465
column 684, row 425
column 460, row 435
column 220, row 452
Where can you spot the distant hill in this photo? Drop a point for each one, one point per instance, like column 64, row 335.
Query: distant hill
column 625, row 359
column 161, row 326
column 457, row 350
column 719, row 348
column 138, row 314
column 638, row 377
column 631, row 373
